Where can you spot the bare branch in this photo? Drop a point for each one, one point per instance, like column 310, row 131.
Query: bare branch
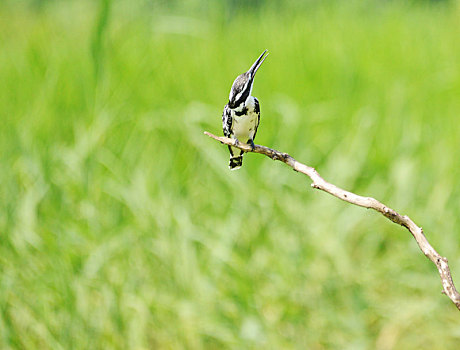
column 366, row 202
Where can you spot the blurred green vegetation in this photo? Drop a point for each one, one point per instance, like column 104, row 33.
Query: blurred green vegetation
column 121, row 226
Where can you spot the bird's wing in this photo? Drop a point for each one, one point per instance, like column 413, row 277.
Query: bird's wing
column 257, row 111
column 227, row 121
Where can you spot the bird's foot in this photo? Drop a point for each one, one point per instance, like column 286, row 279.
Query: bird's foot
column 251, row 143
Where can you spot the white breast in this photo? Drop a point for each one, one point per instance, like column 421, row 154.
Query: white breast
column 244, row 126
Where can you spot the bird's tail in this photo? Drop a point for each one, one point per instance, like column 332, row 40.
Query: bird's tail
column 235, row 162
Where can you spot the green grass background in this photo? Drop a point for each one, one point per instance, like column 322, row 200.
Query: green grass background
column 121, row 226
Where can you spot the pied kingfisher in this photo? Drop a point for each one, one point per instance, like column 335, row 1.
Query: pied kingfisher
column 241, row 115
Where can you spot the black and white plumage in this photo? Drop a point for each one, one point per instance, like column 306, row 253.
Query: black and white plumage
column 241, row 116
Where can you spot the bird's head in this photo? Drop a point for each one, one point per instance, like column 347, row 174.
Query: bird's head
column 242, row 86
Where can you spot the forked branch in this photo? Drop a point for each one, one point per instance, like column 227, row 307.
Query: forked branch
column 366, row 202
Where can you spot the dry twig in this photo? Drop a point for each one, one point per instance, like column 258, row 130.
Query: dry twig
column 366, row 202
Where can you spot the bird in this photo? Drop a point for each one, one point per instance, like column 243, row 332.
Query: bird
column 241, row 116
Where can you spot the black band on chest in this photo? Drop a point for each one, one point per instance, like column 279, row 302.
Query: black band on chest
column 242, row 112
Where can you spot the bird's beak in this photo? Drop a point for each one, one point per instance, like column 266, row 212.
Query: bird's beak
column 252, row 71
